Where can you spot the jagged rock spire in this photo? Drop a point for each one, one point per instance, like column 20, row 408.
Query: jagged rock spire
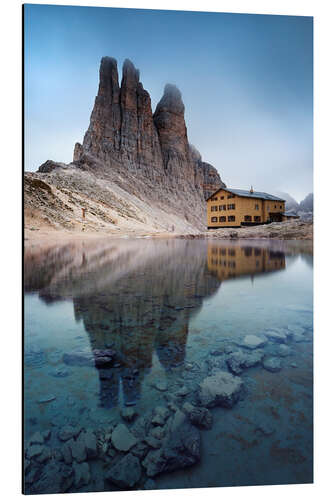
column 124, row 136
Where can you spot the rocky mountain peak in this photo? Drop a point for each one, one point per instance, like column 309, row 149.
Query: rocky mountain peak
column 171, row 101
column 148, row 155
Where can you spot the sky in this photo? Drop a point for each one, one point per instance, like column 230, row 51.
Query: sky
column 246, row 82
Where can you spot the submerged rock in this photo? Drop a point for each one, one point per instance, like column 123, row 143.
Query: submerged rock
column 122, row 438
column 36, row 438
column 238, row 360
column 276, row 335
column 128, row 414
column 160, row 415
column 253, row 342
column 67, row 432
column 81, row 474
column 47, row 399
column 283, row 350
column 160, row 385
column 126, row 472
column 201, row 417
column 180, row 448
column 220, row 389
column 79, row 358
column 272, row 364
column 78, row 449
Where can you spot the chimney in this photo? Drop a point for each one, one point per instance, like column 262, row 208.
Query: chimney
column 251, row 190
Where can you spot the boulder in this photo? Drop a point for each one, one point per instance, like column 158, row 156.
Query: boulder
column 81, row 474
column 180, row 448
column 201, row 417
column 122, row 438
column 78, row 449
column 253, row 341
column 276, row 335
column 128, row 414
column 126, row 472
column 67, row 432
column 160, row 415
column 220, row 389
column 237, row 361
column 272, row 364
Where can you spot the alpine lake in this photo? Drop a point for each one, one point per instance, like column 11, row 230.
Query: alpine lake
column 167, row 363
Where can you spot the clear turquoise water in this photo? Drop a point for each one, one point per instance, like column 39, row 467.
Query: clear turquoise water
column 164, row 307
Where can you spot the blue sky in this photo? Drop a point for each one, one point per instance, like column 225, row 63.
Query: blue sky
column 246, row 82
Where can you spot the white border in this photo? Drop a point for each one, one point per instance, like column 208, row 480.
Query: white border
column 10, row 120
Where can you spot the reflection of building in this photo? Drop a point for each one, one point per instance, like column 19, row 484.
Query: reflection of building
column 230, row 261
column 238, row 207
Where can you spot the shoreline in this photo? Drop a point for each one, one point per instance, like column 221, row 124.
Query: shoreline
column 291, row 230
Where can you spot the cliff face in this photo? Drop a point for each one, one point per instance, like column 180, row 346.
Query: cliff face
column 146, row 155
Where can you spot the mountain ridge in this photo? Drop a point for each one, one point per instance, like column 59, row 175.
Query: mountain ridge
column 136, row 157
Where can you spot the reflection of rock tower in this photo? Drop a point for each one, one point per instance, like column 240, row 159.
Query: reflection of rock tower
column 148, row 309
column 134, row 297
column 171, row 341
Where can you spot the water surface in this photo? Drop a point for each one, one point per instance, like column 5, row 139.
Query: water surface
column 171, row 310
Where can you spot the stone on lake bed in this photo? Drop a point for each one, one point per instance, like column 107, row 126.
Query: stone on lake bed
column 46, row 399
column 272, row 364
column 122, row 438
column 201, row 417
column 81, row 474
column 283, row 350
column 160, row 385
column 78, row 449
column 128, row 414
column 239, row 360
column 276, row 335
column 160, row 415
column 34, row 450
column 220, row 389
column 67, row 432
column 36, row 438
column 79, row 358
column 126, row 472
column 253, row 341
column 180, row 448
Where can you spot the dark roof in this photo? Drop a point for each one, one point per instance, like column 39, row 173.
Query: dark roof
column 248, row 194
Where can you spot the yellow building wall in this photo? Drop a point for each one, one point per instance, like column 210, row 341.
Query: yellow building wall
column 243, row 206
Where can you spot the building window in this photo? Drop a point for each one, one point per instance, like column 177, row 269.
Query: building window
column 213, row 208
column 280, row 206
column 214, row 219
column 256, row 207
column 222, row 218
column 231, row 196
column 257, row 251
column 231, row 218
column 247, row 218
column 247, row 251
column 231, row 252
column 274, row 206
column 220, row 207
column 222, row 198
column 257, row 218
column 232, row 206
column 222, row 251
